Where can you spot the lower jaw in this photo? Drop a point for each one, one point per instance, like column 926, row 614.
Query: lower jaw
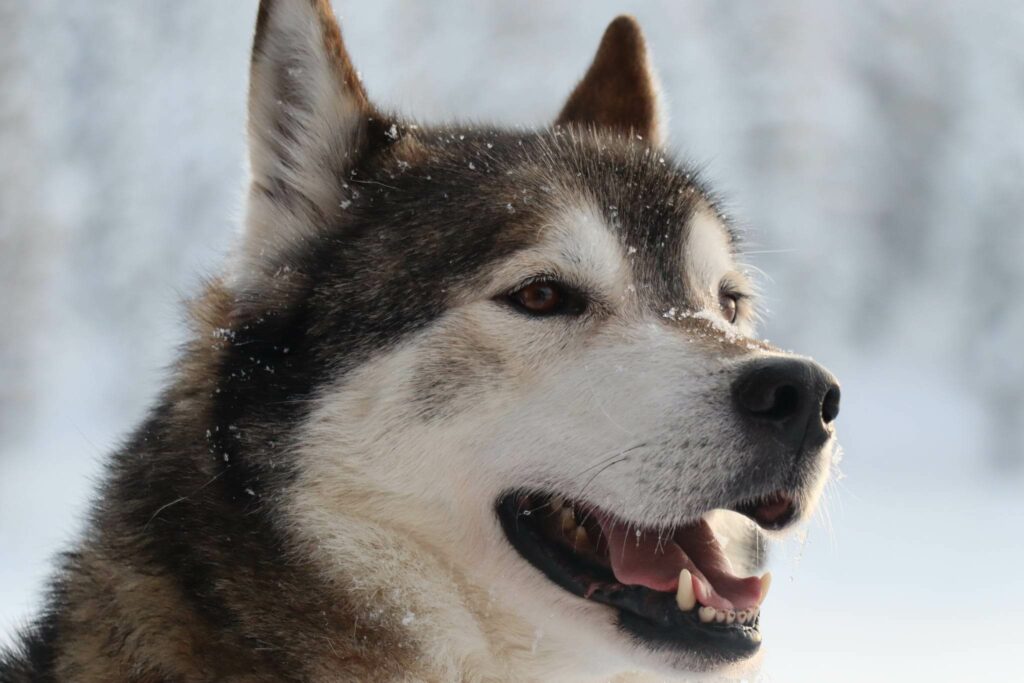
column 653, row 619
column 663, row 625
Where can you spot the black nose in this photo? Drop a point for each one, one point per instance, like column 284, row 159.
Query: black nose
column 797, row 399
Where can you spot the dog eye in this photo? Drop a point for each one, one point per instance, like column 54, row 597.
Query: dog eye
column 728, row 304
column 547, row 297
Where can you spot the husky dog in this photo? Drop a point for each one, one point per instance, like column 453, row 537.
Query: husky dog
column 470, row 404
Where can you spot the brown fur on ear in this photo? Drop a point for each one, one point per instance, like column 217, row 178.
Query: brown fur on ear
column 620, row 89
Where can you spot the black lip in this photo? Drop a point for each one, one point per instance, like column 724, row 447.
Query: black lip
column 650, row 617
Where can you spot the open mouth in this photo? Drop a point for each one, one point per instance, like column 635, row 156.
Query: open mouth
column 672, row 587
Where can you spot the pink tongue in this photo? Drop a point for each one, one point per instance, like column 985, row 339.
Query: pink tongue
column 644, row 560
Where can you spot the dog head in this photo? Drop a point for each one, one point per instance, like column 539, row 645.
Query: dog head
column 530, row 353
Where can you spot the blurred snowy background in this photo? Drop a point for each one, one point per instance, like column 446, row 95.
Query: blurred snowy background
column 874, row 153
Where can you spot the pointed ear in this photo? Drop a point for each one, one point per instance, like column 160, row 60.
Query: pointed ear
column 308, row 115
column 620, row 89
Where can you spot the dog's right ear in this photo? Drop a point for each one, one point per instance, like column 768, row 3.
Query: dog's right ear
column 620, row 90
column 308, row 117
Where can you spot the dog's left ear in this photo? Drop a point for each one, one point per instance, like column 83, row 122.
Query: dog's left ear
column 310, row 122
column 620, row 89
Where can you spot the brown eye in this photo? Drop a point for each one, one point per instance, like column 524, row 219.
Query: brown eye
column 546, row 297
column 539, row 297
column 729, row 305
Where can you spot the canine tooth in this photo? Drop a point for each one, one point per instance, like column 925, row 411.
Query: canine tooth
column 755, row 636
column 730, row 616
column 582, row 540
column 766, row 583
column 706, row 614
column 720, row 616
column 685, row 597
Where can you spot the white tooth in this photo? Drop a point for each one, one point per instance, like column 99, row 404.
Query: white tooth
column 755, row 636
column 766, row 583
column 730, row 617
column 703, row 591
column 567, row 520
column 706, row 614
column 720, row 616
column 741, row 616
column 685, row 597
column 582, row 540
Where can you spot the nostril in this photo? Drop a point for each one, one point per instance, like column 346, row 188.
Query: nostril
column 785, row 402
column 830, row 405
column 769, row 394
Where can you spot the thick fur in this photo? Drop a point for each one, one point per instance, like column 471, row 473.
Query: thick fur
column 313, row 497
